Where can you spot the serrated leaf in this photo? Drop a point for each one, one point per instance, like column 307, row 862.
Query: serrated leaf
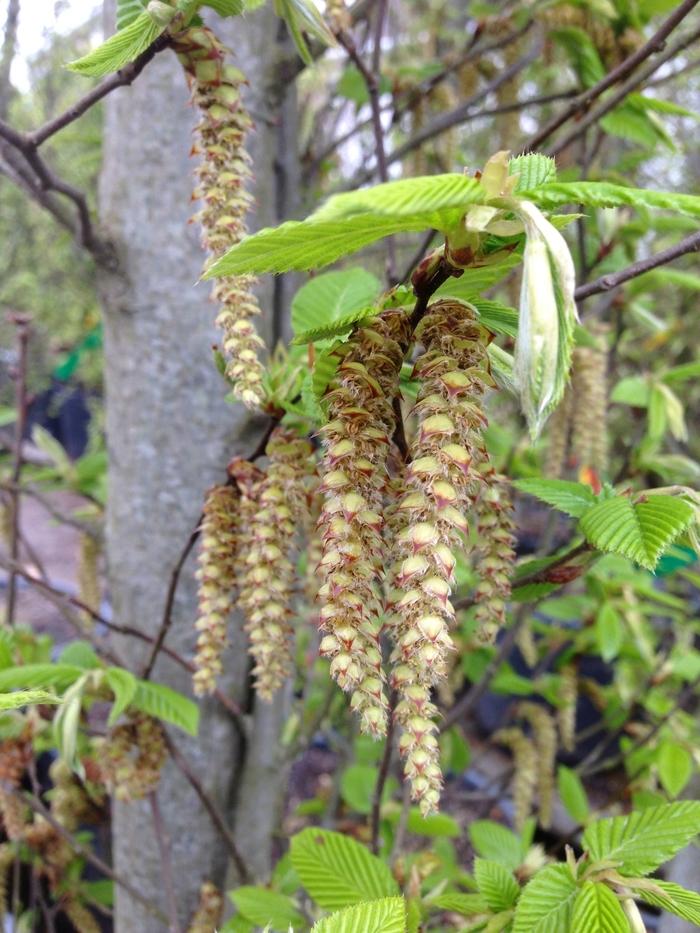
column 123, row 685
column 387, row 915
column 496, row 884
column 120, row 49
column 499, row 318
column 262, row 906
column 643, row 840
column 468, row 905
column 337, row 328
column 497, row 843
column 572, row 794
column 609, row 632
column 546, row 903
column 163, row 703
column 59, row 676
column 331, row 297
column 128, row 11
column 534, row 170
column 605, row 194
column 640, row 531
column 597, row 910
column 501, row 364
column 673, row 898
column 571, row 498
column 675, row 766
column 325, row 366
column 27, row 698
column 338, row 871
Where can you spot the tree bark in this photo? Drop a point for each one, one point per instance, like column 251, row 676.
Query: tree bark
column 170, row 434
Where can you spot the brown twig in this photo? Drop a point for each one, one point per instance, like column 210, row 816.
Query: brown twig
column 211, row 808
column 619, row 73
column 382, row 776
column 166, row 862
column 21, row 323
column 608, row 282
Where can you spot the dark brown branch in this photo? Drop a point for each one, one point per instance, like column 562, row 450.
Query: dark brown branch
column 382, row 776
column 608, row 282
column 619, row 73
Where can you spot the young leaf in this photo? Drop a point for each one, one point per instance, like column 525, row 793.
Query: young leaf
column 497, row 843
column 571, row 498
column 337, row 328
column 572, row 794
column 673, row 898
column 643, row 840
column 609, row 631
column 675, row 765
column 583, row 53
column 640, row 531
column 301, row 16
column 225, row 7
column 597, row 910
column 332, row 296
column 79, row 654
column 387, row 915
column 120, row 49
column 59, row 676
column 545, row 905
column 338, row 871
column 435, row 824
column 477, row 279
column 604, row 194
column 166, row 704
column 357, row 787
column 468, row 905
column 499, row 318
column 534, row 170
column 128, row 11
column 27, row 698
column 496, row 884
column 123, row 685
column 262, row 906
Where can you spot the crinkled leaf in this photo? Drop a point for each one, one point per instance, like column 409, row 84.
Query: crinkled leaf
column 571, row 498
column 673, row 898
column 336, row 328
column 640, row 531
column 645, row 839
column 128, row 11
column 545, row 906
column 597, row 910
column 468, row 905
column 59, row 676
column 338, row 871
column 534, row 170
column 605, row 194
column 166, row 704
column 26, row 698
column 387, row 915
column 120, row 49
column 496, row 884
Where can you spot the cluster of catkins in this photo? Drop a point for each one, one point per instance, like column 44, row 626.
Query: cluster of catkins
column 222, row 175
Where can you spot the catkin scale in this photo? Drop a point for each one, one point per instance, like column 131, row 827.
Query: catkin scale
column 222, row 176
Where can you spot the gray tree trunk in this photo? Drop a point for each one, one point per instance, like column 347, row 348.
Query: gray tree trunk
column 170, row 435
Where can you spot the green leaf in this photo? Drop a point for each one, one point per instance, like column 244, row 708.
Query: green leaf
column 166, row 704
column 332, row 297
column 597, row 910
column 337, row 328
column 387, row 915
column 226, row 8
column 604, row 194
column 583, row 53
column 534, row 170
column 79, row 654
column 357, row 787
column 301, row 16
column 325, row 366
column 633, row 390
column 643, row 840
column 123, row 685
column 262, row 906
column 631, row 121
column 66, row 723
column 476, row 280
column 675, row 765
column 496, row 884
column 609, row 631
column 499, row 318
column 571, row 498
column 337, row 871
column 27, row 698
column 436, row 824
column 468, row 905
column 673, row 898
column 640, row 531
column 497, row 843
column 128, row 11
column 59, row 676
column 545, row 906
column 572, row 794
column 120, row 49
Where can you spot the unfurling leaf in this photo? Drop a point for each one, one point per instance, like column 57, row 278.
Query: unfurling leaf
column 120, row 49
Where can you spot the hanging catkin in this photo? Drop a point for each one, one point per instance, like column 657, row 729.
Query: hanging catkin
column 525, row 767
column 222, row 176
column 544, row 733
column 132, row 756
column 438, row 488
column 89, row 575
column 496, row 544
column 589, row 389
column 356, row 446
column 558, row 431
column 566, row 711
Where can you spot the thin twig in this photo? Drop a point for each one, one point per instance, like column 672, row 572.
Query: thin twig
column 619, row 73
column 382, row 776
column 166, row 862
column 211, row 808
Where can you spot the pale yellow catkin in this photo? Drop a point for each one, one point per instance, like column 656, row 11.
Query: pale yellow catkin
column 525, row 767
column 89, row 590
column 81, row 917
column 589, row 440
column 558, row 431
column 566, row 711
column 544, row 732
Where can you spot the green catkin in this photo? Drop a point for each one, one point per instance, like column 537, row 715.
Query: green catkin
column 132, row 757
column 223, row 173
column 589, row 387
column 566, row 711
column 89, row 575
column 558, row 431
column 544, row 731
column 496, row 543
column 216, row 577
column 357, row 441
column 438, row 488
column 82, row 919
column 209, row 911
column 268, row 581
column 7, row 858
column 525, row 767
